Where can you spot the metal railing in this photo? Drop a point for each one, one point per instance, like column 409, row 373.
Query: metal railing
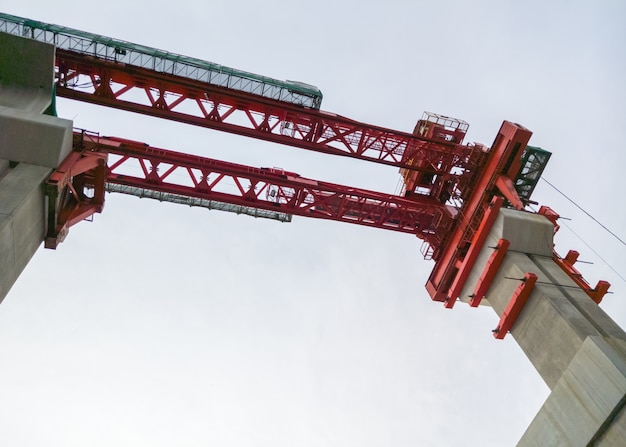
column 195, row 201
column 110, row 49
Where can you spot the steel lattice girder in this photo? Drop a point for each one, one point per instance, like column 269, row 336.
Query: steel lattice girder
column 138, row 165
column 157, row 94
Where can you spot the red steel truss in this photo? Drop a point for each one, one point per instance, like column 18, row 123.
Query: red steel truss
column 448, row 185
column 451, row 196
column 137, row 165
column 447, row 164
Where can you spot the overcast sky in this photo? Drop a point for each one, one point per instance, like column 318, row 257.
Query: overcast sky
column 159, row 325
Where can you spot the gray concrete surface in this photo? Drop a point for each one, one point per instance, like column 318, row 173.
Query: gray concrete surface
column 31, row 138
column 578, row 350
column 22, row 219
column 26, row 92
column 592, row 388
column 31, row 145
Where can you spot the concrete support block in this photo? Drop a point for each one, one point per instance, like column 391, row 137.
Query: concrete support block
column 37, row 139
column 26, row 91
column 26, row 73
column 22, row 223
column 527, row 233
column 585, row 401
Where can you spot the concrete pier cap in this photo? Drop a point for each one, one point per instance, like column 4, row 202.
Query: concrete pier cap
column 528, row 233
column 26, row 73
column 26, row 92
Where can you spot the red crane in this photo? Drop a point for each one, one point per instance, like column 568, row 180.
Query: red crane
column 451, row 191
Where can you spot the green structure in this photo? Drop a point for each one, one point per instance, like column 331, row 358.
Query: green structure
column 534, row 161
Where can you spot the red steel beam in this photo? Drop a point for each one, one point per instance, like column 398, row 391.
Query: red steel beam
column 515, row 306
column 66, row 187
column 489, row 273
column 136, row 164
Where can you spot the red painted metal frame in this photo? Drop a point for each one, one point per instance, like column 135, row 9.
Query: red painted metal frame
column 136, row 164
column 567, row 264
column 551, row 215
column 465, row 176
column 145, row 91
column 67, row 200
column 450, row 168
column 489, row 273
column 515, row 306
column 476, row 246
column 505, row 161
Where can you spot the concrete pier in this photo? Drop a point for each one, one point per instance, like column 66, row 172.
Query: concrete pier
column 32, row 143
column 578, row 350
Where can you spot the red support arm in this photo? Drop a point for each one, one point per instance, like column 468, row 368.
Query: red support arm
column 488, row 275
column 512, row 311
column 68, row 202
column 567, row 265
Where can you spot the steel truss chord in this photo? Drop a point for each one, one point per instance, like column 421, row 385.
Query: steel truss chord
column 134, row 164
column 167, row 96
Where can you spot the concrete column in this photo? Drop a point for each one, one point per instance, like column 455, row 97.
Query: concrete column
column 31, row 145
column 578, row 350
column 22, row 222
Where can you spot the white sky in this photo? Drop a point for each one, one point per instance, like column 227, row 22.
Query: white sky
column 160, row 325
